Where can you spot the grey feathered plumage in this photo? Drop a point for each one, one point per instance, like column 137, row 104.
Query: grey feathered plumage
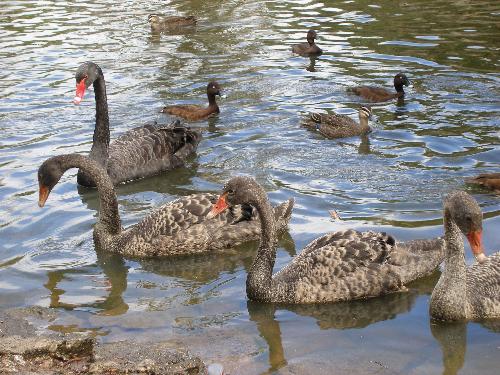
column 339, row 126
column 141, row 152
column 178, row 227
column 338, row 266
column 465, row 293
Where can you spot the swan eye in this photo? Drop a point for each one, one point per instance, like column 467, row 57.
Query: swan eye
column 230, row 192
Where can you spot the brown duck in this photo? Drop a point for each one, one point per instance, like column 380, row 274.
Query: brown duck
column 194, row 112
column 141, row 152
column 310, row 48
column 379, row 94
column 339, row 126
column 338, row 266
column 165, row 23
column 466, row 293
column 488, row 180
column 176, row 228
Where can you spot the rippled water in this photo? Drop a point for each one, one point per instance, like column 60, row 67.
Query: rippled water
column 447, row 129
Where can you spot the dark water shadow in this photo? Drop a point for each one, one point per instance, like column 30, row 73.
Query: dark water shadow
column 200, row 269
column 113, row 267
column 312, row 64
column 343, row 315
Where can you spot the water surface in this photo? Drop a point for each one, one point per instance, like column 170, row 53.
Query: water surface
column 394, row 180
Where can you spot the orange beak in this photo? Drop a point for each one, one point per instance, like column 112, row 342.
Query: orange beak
column 80, row 91
column 43, row 194
column 475, row 242
column 218, row 207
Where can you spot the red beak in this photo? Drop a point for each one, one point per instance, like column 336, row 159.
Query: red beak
column 80, row 91
column 475, row 242
column 43, row 194
column 218, row 207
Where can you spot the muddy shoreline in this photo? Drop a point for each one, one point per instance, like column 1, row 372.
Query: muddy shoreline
column 27, row 347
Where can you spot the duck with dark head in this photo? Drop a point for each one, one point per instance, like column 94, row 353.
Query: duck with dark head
column 194, row 112
column 380, row 94
column 141, row 152
column 310, row 48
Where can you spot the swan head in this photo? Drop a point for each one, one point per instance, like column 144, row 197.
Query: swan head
column 238, row 190
column 464, row 211
column 49, row 174
column 213, row 88
column 85, row 75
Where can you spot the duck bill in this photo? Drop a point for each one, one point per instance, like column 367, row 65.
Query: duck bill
column 80, row 92
column 220, row 206
column 43, row 194
column 475, row 241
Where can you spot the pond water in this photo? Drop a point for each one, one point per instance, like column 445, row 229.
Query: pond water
column 394, row 180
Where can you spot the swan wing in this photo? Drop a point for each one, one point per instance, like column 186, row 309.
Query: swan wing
column 149, row 150
column 341, row 266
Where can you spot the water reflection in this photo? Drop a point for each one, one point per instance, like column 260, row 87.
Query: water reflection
column 115, row 274
column 340, row 316
column 452, row 338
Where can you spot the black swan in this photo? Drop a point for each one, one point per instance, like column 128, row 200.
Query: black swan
column 339, row 126
column 338, row 266
column 141, row 152
column 379, row 94
column 178, row 227
column 466, row 293
column 194, row 112
column 310, row 48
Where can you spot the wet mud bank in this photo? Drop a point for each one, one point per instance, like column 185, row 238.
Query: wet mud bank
column 26, row 346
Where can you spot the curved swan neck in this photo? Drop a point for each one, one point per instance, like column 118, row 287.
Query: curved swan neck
column 260, row 274
column 455, row 253
column 100, row 144
column 109, row 217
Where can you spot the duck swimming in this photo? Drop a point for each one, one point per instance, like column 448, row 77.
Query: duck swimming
column 338, row 266
column 465, row 293
column 379, row 94
column 176, row 228
column 194, row 112
column 141, row 152
column 168, row 23
column 339, row 126
column 310, row 48
column 488, row 180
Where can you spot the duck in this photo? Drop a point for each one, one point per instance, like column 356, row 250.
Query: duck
column 465, row 293
column 179, row 227
column 167, row 23
column 488, row 180
column 339, row 266
column 339, row 126
column 310, row 48
column 379, row 94
column 142, row 151
column 194, row 112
